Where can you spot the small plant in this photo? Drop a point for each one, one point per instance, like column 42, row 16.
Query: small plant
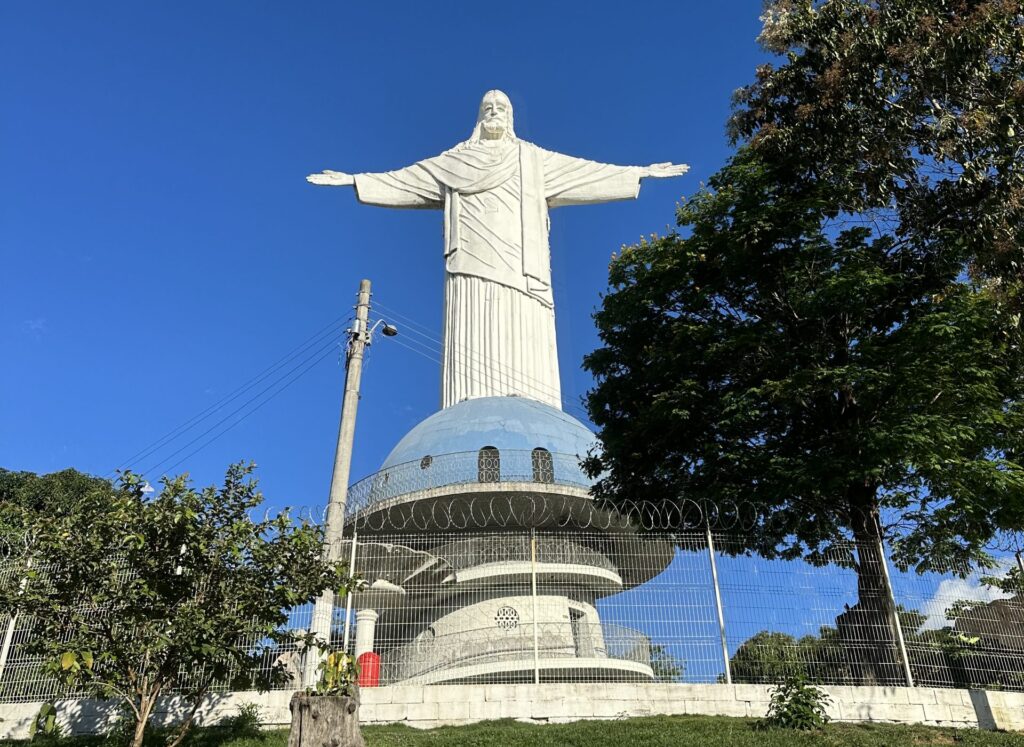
column 120, row 730
column 338, row 673
column 248, row 722
column 796, row 704
column 45, row 723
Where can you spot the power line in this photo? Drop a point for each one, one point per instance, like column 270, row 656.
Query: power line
column 315, row 339
column 517, row 377
column 432, row 355
column 427, row 346
column 316, row 357
column 477, row 360
column 426, row 331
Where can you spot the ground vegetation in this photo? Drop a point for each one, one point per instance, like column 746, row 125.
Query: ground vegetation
column 184, row 592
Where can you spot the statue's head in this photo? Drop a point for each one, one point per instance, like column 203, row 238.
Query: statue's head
column 494, row 120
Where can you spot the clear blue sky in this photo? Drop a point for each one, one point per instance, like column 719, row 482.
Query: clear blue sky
column 160, row 246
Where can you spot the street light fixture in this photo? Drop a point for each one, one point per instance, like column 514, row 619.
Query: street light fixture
column 388, row 330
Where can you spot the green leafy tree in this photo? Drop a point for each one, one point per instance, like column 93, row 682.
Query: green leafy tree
column 768, row 657
column 25, row 499
column 1012, row 582
column 26, row 494
column 138, row 597
column 772, row 657
column 666, row 666
column 835, row 333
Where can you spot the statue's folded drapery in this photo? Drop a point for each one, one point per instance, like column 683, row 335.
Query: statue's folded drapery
column 496, row 197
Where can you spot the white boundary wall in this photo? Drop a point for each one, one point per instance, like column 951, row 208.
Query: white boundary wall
column 438, row 705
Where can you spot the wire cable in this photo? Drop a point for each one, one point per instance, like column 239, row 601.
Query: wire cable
column 433, row 356
column 287, row 384
column 519, row 375
column 476, row 360
column 316, row 357
column 316, row 338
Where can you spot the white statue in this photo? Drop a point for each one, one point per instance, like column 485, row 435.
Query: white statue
column 495, row 190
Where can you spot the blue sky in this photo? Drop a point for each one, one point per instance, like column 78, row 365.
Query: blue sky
column 161, row 248
column 160, row 245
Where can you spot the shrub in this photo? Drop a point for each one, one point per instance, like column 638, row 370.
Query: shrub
column 338, row 674
column 248, row 722
column 796, row 704
column 45, row 723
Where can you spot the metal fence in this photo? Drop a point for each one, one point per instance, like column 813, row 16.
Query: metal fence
column 598, row 598
column 484, row 467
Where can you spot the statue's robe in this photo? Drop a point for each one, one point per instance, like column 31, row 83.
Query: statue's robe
column 499, row 326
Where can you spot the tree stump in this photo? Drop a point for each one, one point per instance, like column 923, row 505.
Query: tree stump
column 325, row 721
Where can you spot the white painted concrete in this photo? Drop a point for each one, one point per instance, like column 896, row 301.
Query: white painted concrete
column 366, row 628
column 428, row 707
column 600, row 580
column 604, row 668
column 496, row 191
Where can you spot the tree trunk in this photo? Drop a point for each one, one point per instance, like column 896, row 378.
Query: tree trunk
column 186, row 725
column 325, row 721
column 867, row 629
column 146, row 703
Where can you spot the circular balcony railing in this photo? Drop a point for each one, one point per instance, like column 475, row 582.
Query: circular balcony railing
column 488, row 465
column 483, row 646
column 478, row 551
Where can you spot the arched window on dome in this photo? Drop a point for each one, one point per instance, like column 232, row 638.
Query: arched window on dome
column 543, row 466
column 488, row 464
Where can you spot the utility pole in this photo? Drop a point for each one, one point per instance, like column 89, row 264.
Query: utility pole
column 323, row 610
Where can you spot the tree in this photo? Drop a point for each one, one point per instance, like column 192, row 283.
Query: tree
column 768, row 657
column 135, row 598
column 24, row 494
column 773, row 657
column 26, row 498
column 837, row 338
column 665, row 665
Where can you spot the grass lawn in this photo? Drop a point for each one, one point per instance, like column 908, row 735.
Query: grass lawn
column 677, row 731
column 699, row 731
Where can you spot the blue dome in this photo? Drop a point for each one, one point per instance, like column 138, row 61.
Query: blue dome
column 506, row 423
column 445, row 451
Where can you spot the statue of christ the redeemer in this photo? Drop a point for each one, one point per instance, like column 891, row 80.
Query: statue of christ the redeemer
column 495, row 190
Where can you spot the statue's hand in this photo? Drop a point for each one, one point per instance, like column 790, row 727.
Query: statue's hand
column 330, row 178
column 666, row 170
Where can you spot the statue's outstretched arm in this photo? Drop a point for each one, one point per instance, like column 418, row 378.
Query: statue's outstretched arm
column 664, row 170
column 576, row 181
column 328, row 178
column 411, row 187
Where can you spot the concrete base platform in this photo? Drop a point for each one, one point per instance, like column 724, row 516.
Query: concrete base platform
column 437, row 705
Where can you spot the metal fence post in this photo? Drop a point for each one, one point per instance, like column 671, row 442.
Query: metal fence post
column 718, row 604
column 5, row 651
column 348, row 594
column 9, row 634
column 533, row 584
column 907, row 674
